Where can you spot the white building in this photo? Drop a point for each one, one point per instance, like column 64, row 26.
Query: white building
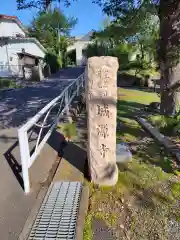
column 81, row 43
column 16, row 49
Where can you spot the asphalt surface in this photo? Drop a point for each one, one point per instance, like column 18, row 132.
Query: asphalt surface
column 16, row 107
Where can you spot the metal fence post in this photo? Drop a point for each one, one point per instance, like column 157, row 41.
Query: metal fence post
column 67, row 106
column 82, row 80
column 25, row 156
column 77, row 85
column 66, row 97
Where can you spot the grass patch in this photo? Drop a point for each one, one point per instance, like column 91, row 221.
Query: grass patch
column 169, row 126
column 176, row 190
column 144, row 194
column 68, row 130
column 7, row 83
column 131, row 101
column 140, row 73
column 137, row 96
column 146, row 197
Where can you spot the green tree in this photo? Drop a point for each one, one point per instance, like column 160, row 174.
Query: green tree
column 54, row 61
column 135, row 14
column 146, row 37
column 40, row 4
column 96, row 49
column 47, row 27
column 63, row 43
column 125, row 41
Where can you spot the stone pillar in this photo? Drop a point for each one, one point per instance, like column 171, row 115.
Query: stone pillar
column 101, row 98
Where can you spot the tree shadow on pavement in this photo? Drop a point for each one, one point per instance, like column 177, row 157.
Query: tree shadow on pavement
column 21, row 104
column 18, row 105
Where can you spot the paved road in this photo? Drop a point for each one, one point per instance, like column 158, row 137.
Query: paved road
column 16, row 107
column 19, row 105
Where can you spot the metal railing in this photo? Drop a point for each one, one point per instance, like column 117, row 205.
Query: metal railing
column 45, row 121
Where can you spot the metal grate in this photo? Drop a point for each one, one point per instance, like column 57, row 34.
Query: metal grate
column 57, row 216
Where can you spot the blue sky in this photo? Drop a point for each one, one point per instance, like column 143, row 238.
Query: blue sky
column 89, row 15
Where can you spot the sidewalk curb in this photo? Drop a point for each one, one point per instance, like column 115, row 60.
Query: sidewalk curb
column 83, row 208
column 32, row 216
column 6, row 89
column 40, row 197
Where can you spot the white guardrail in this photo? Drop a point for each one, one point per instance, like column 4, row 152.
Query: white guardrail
column 60, row 104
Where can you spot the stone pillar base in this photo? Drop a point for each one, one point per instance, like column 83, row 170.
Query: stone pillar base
column 110, row 177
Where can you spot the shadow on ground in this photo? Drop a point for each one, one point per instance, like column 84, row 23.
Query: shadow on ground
column 73, row 152
column 129, row 109
column 144, row 147
column 17, row 106
column 14, row 163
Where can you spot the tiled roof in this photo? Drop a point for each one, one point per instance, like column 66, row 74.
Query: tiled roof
column 16, row 19
column 7, row 17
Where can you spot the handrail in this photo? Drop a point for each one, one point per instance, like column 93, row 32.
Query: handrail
column 63, row 101
column 34, row 119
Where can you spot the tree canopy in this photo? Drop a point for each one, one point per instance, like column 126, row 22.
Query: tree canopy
column 48, row 26
column 40, row 4
column 131, row 21
column 131, row 18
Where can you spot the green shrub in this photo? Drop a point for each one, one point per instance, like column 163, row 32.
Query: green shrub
column 7, row 83
column 122, row 55
column 71, row 57
column 68, row 130
column 167, row 125
column 95, row 49
column 54, row 62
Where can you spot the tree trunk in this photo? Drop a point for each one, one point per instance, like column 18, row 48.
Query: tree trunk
column 142, row 52
column 169, row 99
column 169, row 13
column 47, row 5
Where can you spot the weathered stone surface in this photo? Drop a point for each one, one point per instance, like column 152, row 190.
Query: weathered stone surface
column 101, row 98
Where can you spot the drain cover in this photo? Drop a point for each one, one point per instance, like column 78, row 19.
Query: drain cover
column 57, row 216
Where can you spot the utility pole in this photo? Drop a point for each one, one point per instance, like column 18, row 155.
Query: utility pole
column 58, row 38
column 7, row 54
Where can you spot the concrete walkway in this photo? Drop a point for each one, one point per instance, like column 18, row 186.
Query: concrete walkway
column 72, row 167
column 16, row 107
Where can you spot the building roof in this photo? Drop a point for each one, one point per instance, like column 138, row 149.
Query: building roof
column 88, row 36
column 24, row 39
column 14, row 19
column 28, row 55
